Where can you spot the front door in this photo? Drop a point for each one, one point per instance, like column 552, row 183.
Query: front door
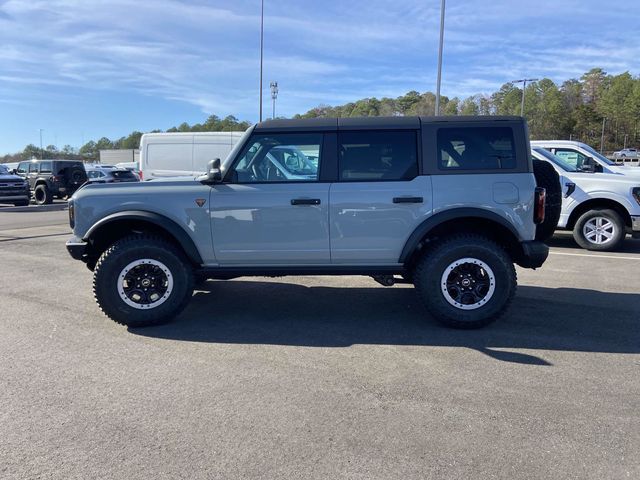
column 265, row 215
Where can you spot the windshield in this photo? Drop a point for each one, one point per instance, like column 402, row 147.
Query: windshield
column 598, row 155
column 555, row 160
column 3, row 170
column 236, row 148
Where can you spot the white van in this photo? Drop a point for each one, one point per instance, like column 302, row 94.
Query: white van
column 180, row 154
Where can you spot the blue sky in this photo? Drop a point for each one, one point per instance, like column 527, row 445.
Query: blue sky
column 84, row 69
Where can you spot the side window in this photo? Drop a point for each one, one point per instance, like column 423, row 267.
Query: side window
column 33, row 168
column 45, row 167
column 572, row 157
column 22, row 167
column 476, row 148
column 279, row 158
column 377, row 155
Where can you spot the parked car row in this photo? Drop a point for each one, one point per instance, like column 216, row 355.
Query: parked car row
column 46, row 179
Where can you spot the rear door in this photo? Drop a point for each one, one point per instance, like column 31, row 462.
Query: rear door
column 259, row 216
column 379, row 198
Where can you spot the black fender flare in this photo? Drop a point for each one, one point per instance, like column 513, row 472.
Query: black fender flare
column 429, row 224
column 171, row 227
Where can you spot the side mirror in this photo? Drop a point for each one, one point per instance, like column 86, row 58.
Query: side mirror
column 14, row 171
column 586, row 167
column 214, row 174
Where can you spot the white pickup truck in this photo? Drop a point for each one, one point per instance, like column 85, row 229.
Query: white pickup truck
column 600, row 208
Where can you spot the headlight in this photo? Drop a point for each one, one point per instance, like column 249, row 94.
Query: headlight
column 636, row 194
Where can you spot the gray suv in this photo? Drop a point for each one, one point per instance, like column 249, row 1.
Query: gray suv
column 448, row 204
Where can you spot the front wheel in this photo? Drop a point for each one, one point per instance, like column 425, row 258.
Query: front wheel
column 142, row 280
column 467, row 281
column 600, row 230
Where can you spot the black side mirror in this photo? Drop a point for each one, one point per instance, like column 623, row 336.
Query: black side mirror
column 214, row 174
column 586, row 167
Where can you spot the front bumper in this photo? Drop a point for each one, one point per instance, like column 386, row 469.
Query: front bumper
column 76, row 247
column 534, row 253
column 14, row 198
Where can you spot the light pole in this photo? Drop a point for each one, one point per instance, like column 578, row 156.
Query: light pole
column 442, row 7
column 274, row 95
column 524, row 87
column 261, row 50
column 41, row 150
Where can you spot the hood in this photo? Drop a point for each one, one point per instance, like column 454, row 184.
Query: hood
column 10, row 177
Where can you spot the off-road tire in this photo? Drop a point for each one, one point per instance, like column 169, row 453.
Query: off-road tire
column 434, row 262
column 613, row 216
column 42, row 195
column 548, row 178
column 129, row 249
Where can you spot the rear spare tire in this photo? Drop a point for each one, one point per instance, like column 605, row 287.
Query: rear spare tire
column 548, row 178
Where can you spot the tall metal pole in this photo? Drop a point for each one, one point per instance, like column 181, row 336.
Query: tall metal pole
column 524, row 89
column 41, row 150
column 261, row 51
column 274, row 94
column 602, row 137
column 442, row 7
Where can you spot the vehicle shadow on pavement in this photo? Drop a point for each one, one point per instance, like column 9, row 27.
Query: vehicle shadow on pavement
column 274, row 313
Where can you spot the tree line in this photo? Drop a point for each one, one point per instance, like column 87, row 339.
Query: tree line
column 577, row 109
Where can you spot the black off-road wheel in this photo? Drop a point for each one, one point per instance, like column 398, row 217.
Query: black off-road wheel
column 142, row 280
column 466, row 281
column 600, row 230
column 42, row 195
column 548, row 178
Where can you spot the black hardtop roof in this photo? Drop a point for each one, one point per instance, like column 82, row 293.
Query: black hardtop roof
column 348, row 123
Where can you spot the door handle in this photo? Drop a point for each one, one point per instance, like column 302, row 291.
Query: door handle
column 408, row 199
column 305, row 201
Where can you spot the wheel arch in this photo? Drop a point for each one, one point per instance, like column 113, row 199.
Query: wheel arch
column 462, row 220
column 117, row 225
column 598, row 203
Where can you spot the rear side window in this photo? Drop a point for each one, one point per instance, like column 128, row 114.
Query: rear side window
column 124, row 174
column 377, row 155
column 45, row 167
column 476, row 148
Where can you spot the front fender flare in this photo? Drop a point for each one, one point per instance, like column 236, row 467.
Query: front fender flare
column 170, row 226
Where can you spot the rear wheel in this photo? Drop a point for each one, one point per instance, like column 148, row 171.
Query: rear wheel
column 42, row 195
column 601, row 230
column 466, row 282
column 142, row 280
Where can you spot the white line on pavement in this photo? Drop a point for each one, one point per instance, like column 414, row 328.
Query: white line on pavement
column 593, row 256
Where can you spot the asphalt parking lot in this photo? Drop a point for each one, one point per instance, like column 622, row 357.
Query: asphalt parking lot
column 312, row 377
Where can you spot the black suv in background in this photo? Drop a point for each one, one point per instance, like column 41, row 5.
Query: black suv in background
column 52, row 178
column 13, row 189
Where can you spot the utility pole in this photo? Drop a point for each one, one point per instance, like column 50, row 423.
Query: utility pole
column 261, row 51
column 440, row 47
column 41, row 150
column 274, row 95
column 602, row 137
column 524, row 89
column 625, row 141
